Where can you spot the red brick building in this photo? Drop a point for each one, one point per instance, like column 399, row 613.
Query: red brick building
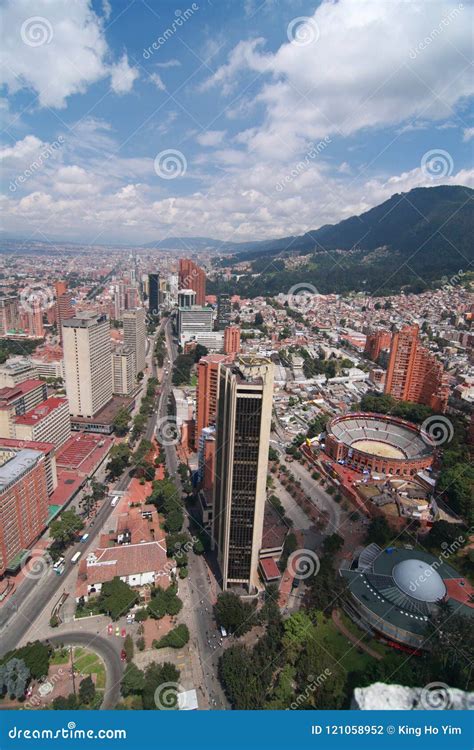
column 232, row 340
column 376, row 342
column 23, row 505
column 206, row 394
column 414, row 374
column 190, row 276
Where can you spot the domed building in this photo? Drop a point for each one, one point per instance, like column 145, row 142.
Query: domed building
column 393, row 592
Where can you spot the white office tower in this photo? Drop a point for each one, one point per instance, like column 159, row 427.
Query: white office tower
column 244, row 415
column 186, row 298
column 134, row 335
column 87, row 363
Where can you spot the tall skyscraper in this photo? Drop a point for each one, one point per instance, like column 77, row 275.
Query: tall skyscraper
column 123, row 370
column 190, row 276
column 87, row 363
column 64, row 306
column 224, row 311
column 9, row 314
column 232, row 340
column 376, row 342
column 134, row 335
column 414, row 374
column 206, row 394
column 153, row 293
column 244, row 413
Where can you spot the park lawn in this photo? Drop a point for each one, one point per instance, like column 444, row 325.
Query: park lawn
column 346, row 655
column 86, row 662
column 60, row 656
column 365, row 637
column 90, row 608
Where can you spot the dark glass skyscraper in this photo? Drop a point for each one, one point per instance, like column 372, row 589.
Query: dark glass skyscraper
column 153, row 293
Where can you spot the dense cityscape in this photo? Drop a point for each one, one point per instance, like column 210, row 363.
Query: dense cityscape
column 237, row 373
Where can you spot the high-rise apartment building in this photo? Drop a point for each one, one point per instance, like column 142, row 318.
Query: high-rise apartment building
column 123, row 370
column 87, row 363
column 64, row 306
column 48, row 422
column 18, row 400
column 224, row 311
column 414, row 374
column 190, row 276
column 376, row 342
column 244, row 413
column 206, row 393
column 23, row 504
column 232, row 340
column 9, row 314
column 134, row 335
column 153, row 293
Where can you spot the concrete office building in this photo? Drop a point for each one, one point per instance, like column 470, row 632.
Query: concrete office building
column 87, row 363
column 16, row 371
column 64, row 306
column 194, row 320
column 123, row 370
column 224, row 311
column 190, row 276
column 48, row 422
column 244, row 412
column 206, row 392
column 134, row 335
column 186, row 298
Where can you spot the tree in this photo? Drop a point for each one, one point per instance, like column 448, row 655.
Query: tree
column 443, row 533
column 133, row 680
column 128, row 648
column 379, row 531
column 157, row 675
column 116, row 598
column 36, row 656
column 119, row 459
column 164, row 601
column 86, row 691
column 233, row 614
column 14, row 676
column 121, row 421
column 332, row 544
column 64, row 530
column 176, row 638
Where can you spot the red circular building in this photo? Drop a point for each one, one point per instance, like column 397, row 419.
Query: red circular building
column 379, row 444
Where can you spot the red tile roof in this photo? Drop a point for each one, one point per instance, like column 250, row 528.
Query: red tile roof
column 41, row 411
column 20, row 389
column 269, row 568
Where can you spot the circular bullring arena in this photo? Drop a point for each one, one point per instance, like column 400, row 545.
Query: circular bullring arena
column 378, row 443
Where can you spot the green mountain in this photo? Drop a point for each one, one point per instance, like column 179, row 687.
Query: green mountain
column 407, row 242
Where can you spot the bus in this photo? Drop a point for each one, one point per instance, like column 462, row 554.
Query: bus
column 58, row 566
column 114, row 501
column 75, row 557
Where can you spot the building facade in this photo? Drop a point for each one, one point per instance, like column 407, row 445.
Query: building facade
column 376, row 342
column 224, row 311
column 123, row 370
column 414, row 374
column 49, row 422
column 190, row 276
column 244, row 411
column 134, row 335
column 87, row 363
column 153, row 293
column 232, row 340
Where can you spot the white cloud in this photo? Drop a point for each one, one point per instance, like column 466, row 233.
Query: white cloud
column 21, row 150
column 57, row 48
column 158, row 81
column 371, row 66
column 173, row 63
column 211, row 138
column 468, row 134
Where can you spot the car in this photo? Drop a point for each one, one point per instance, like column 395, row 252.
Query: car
column 110, row 629
column 123, row 632
column 123, row 655
column 117, row 630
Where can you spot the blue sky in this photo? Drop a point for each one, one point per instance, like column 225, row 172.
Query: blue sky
column 128, row 121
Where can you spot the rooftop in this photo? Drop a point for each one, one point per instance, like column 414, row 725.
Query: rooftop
column 13, row 469
column 16, row 391
column 41, row 411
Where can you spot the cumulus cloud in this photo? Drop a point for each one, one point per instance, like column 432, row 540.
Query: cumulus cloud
column 211, row 137
column 58, row 48
column 468, row 134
